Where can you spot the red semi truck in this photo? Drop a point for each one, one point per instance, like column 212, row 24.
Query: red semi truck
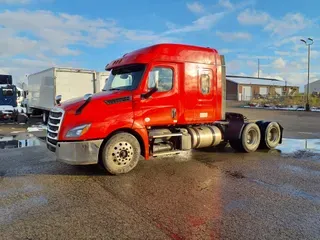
column 158, row 100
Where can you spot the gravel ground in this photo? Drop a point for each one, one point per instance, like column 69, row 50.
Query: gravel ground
column 196, row 195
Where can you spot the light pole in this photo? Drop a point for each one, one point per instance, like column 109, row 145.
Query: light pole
column 309, row 43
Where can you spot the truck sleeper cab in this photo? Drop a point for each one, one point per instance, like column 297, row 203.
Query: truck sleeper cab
column 158, row 100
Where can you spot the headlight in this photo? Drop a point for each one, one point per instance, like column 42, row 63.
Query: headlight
column 78, row 131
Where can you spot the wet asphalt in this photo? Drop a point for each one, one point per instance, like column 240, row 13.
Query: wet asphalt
column 200, row 194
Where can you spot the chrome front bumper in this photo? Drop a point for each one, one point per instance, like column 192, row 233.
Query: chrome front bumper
column 78, row 153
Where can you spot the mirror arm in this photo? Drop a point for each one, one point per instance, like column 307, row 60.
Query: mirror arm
column 148, row 94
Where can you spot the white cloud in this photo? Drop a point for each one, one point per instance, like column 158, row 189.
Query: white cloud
column 54, row 33
column 289, row 40
column 42, row 36
column 294, row 71
column 202, row 23
column 20, row 67
column 3, row 71
column 290, row 54
column 225, row 50
column 15, row 1
column 208, row 20
column 233, row 66
column 279, row 63
column 253, row 17
column 195, row 7
column 146, row 36
column 245, row 56
column 226, row 3
column 290, row 24
column 266, row 75
column 171, row 25
column 233, row 36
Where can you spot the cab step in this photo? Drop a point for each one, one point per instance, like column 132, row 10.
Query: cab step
column 159, row 154
column 168, row 135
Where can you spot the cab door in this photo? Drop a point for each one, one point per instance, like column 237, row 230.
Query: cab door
column 158, row 104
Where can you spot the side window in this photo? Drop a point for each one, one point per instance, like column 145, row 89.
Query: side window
column 205, row 83
column 161, row 77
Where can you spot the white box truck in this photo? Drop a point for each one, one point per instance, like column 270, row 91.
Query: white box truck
column 44, row 86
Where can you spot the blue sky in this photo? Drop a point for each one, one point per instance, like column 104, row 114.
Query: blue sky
column 37, row 34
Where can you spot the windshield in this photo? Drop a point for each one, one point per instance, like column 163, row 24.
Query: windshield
column 7, row 92
column 125, row 78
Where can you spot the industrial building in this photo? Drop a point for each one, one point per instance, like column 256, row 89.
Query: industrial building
column 246, row 88
column 314, row 87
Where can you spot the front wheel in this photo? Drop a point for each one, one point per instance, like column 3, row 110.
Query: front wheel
column 121, row 153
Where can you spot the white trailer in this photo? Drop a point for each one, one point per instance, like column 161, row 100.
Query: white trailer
column 44, row 86
column 101, row 80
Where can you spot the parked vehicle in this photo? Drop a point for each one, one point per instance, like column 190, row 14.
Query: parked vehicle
column 21, row 96
column 67, row 83
column 8, row 102
column 5, row 79
column 159, row 100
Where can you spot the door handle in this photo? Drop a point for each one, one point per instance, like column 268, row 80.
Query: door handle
column 173, row 112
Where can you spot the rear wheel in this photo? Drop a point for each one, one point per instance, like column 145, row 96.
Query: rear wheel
column 250, row 139
column 270, row 135
column 121, row 153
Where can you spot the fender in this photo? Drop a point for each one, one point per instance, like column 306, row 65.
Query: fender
column 234, row 128
column 143, row 133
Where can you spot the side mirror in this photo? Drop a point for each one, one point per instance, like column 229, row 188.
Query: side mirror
column 87, row 96
column 58, row 99
column 157, row 84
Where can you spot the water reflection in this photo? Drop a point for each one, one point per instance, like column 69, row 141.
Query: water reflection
column 294, row 145
column 7, row 142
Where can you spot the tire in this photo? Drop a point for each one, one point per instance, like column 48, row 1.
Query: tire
column 121, row 153
column 45, row 116
column 22, row 118
column 236, row 145
column 250, row 139
column 270, row 135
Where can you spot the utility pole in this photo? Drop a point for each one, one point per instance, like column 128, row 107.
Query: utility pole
column 258, row 68
column 285, row 88
column 308, row 44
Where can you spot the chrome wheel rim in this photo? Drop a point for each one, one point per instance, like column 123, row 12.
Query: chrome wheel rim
column 122, row 153
column 273, row 135
column 252, row 137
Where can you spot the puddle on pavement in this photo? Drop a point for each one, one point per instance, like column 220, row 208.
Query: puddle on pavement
column 37, row 128
column 294, row 145
column 19, row 141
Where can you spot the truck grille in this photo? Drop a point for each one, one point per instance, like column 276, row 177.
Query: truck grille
column 54, row 122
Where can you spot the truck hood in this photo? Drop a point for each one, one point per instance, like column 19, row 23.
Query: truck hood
column 75, row 103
